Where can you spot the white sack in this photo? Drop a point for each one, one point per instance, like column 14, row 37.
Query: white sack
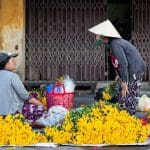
column 53, row 117
column 144, row 103
column 69, row 84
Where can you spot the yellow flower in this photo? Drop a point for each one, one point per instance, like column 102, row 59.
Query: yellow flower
column 43, row 101
column 60, row 79
column 106, row 95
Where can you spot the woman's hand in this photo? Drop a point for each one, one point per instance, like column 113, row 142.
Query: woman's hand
column 117, row 78
column 124, row 90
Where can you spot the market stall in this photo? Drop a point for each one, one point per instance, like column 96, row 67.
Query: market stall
column 101, row 123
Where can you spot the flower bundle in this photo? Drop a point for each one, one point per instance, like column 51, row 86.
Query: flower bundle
column 60, row 79
column 109, row 91
column 100, row 123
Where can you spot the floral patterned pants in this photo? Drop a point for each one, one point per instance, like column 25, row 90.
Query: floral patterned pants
column 130, row 101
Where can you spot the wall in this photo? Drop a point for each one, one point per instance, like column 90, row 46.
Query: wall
column 12, row 29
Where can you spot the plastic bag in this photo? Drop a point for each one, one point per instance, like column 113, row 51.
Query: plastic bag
column 58, row 89
column 53, row 117
column 49, row 88
column 144, row 103
column 68, row 84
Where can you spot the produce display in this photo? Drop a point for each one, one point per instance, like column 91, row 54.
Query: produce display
column 102, row 122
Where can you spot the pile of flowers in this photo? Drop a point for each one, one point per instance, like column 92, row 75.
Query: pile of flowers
column 100, row 123
column 15, row 131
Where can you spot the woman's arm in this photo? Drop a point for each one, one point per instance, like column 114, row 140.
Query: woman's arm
column 22, row 92
column 19, row 87
column 124, row 89
column 119, row 53
column 35, row 101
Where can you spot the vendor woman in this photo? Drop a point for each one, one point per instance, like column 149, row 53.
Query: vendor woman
column 126, row 60
column 14, row 98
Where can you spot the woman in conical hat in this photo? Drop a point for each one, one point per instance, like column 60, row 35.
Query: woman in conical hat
column 127, row 61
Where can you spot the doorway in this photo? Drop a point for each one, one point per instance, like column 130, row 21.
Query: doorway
column 119, row 12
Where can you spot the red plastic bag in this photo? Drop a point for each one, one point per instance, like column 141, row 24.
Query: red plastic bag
column 58, row 96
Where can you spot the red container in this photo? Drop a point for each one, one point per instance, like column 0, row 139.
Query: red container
column 61, row 98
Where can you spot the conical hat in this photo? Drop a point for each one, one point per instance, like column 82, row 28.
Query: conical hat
column 105, row 28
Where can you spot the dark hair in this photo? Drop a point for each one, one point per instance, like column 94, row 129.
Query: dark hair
column 2, row 65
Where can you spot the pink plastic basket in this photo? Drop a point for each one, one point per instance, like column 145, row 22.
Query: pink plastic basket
column 63, row 99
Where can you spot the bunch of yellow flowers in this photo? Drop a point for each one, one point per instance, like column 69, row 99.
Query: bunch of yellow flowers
column 60, row 79
column 106, row 94
column 43, row 101
column 109, row 91
column 15, row 131
column 98, row 124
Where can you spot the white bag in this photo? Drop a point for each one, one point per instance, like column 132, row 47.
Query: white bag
column 54, row 115
column 68, row 84
column 144, row 103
